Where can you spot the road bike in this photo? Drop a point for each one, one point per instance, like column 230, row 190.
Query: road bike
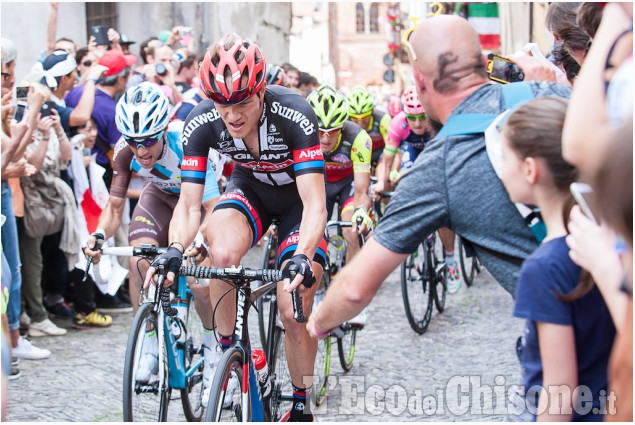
column 470, row 264
column 423, row 279
column 346, row 333
column 176, row 341
column 246, row 402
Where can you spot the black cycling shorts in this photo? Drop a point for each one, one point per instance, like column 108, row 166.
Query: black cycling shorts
column 341, row 192
column 260, row 202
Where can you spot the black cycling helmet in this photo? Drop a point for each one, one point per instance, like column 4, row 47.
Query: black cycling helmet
column 275, row 75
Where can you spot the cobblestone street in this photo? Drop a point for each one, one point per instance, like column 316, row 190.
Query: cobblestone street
column 397, row 375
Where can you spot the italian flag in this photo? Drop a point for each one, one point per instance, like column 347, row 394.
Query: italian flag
column 484, row 19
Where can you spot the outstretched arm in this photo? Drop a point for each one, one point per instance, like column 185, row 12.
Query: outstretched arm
column 354, row 287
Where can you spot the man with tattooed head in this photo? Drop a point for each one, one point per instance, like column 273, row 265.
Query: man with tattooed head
column 453, row 185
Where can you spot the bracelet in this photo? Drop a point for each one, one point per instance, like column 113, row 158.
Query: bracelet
column 322, row 334
column 183, row 250
column 95, row 80
column 61, row 135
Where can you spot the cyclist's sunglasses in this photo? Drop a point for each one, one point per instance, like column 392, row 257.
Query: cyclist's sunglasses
column 361, row 116
column 420, row 117
column 331, row 131
column 145, row 142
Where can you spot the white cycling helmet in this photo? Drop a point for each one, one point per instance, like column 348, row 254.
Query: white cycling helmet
column 142, row 111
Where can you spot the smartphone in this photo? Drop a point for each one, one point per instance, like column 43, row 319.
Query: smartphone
column 46, row 109
column 503, row 70
column 100, row 32
column 21, row 92
column 20, row 109
column 580, row 192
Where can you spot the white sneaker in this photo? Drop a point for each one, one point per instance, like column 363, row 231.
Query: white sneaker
column 359, row 320
column 229, row 393
column 149, row 361
column 28, row 351
column 232, row 385
column 453, row 282
column 45, row 328
column 212, row 356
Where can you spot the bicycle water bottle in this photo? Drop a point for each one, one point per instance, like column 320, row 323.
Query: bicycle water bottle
column 262, row 371
column 181, row 308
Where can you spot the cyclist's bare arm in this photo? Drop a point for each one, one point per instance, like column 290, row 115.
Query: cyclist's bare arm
column 109, row 222
column 354, row 287
column 361, row 198
column 185, row 222
column 383, row 170
column 313, row 195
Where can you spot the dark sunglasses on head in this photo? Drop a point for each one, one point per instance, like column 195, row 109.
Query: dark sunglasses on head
column 87, row 63
column 145, row 142
column 420, row 117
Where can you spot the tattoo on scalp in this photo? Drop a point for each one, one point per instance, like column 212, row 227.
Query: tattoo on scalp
column 446, row 80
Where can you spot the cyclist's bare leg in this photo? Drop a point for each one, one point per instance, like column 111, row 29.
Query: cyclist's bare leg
column 229, row 237
column 136, row 275
column 352, row 241
column 300, row 347
column 447, row 238
column 202, row 303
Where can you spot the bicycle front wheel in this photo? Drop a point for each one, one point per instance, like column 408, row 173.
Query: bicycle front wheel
column 282, row 391
column 346, row 346
column 143, row 398
column 225, row 399
column 191, row 395
column 439, row 273
column 469, row 265
column 416, row 291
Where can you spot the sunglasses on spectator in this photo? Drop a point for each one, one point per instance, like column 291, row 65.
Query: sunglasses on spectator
column 87, row 63
column 145, row 142
column 408, row 33
column 328, row 133
column 420, row 117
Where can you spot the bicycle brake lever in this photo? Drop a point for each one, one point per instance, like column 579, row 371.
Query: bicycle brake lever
column 298, row 313
column 296, row 300
column 89, row 261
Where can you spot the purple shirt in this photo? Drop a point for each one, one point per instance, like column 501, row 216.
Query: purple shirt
column 104, row 116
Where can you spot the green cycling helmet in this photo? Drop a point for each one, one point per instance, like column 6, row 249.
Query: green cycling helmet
column 360, row 102
column 330, row 106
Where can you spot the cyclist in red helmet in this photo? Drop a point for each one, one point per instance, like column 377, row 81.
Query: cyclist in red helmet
column 271, row 133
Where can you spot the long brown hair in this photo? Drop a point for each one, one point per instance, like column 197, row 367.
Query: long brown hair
column 535, row 130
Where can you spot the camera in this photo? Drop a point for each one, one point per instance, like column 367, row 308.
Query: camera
column 46, row 109
column 503, row 70
column 161, row 69
column 100, row 32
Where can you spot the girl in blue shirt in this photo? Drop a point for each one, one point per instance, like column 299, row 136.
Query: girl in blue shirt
column 568, row 332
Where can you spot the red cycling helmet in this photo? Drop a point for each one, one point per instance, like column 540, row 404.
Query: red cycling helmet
column 411, row 103
column 221, row 64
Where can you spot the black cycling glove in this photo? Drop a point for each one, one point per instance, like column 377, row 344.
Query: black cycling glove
column 303, row 267
column 171, row 259
column 99, row 241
